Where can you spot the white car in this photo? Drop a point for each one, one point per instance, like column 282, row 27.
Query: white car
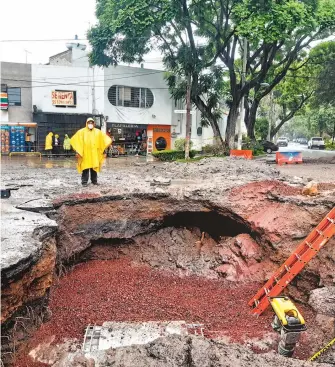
column 316, row 142
column 282, row 142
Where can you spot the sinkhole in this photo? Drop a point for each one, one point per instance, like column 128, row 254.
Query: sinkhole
column 143, row 260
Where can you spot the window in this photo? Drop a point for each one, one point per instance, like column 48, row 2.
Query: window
column 119, row 95
column 14, row 96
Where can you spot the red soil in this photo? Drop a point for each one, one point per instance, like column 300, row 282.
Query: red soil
column 74, row 197
column 100, row 291
column 262, row 188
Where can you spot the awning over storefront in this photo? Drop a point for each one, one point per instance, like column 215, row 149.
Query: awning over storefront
column 25, row 124
column 4, row 101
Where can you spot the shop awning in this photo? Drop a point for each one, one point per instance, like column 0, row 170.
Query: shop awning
column 25, row 124
column 4, row 101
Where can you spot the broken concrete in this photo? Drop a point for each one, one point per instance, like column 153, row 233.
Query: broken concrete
column 180, row 351
column 28, row 257
column 323, row 300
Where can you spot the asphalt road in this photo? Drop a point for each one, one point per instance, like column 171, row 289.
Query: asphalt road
column 307, row 153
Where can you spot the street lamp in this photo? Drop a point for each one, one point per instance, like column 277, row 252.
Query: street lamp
column 271, row 112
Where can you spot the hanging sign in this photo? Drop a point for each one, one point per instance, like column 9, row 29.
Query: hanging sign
column 62, row 98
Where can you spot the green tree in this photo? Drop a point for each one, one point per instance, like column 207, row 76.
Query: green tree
column 301, row 84
column 201, row 39
column 313, row 122
column 322, row 121
column 325, row 85
column 261, row 128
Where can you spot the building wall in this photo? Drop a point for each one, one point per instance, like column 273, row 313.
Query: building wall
column 61, row 59
column 18, row 75
column 161, row 111
column 47, row 78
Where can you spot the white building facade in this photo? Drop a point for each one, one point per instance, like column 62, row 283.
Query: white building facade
column 127, row 101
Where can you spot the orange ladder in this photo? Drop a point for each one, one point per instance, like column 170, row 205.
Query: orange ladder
column 295, row 263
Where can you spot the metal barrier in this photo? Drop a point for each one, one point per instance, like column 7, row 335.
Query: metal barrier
column 25, row 153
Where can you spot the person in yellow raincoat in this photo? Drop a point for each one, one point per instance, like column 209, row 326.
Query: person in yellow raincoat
column 48, row 143
column 90, row 144
column 67, row 145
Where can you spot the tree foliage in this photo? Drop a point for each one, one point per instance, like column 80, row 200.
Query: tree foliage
column 303, row 86
column 313, row 122
column 324, row 55
column 261, row 128
column 202, row 39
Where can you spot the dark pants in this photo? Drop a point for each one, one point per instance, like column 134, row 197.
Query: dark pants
column 86, row 173
column 56, row 150
column 29, row 146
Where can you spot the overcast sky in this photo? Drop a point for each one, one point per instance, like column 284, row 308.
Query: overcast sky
column 42, row 19
column 45, row 19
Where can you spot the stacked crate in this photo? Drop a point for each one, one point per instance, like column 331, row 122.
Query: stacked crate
column 17, row 139
column 4, row 139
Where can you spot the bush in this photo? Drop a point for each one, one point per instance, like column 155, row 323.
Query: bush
column 256, row 147
column 215, row 150
column 172, row 155
column 179, row 144
column 329, row 145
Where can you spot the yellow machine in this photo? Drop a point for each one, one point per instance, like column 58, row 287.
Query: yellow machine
column 288, row 322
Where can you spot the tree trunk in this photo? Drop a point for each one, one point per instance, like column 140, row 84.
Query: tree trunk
column 231, row 125
column 251, row 119
column 216, row 132
column 210, row 117
column 278, row 127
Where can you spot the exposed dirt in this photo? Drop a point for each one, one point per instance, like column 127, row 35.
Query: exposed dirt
column 116, row 290
column 196, row 250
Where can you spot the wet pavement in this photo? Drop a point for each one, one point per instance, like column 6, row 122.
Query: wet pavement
column 67, row 162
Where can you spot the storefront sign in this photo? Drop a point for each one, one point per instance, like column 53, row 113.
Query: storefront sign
column 120, row 126
column 161, row 130
column 61, row 98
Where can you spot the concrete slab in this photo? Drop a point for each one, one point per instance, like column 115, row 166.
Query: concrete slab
column 21, row 234
column 123, row 334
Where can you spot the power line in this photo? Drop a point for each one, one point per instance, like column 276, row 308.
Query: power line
column 47, row 40
column 50, row 84
column 67, row 39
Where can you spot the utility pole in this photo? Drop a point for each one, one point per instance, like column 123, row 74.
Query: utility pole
column 242, row 110
column 188, row 118
column 270, row 117
column 271, row 112
column 93, row 91
column 27, row 52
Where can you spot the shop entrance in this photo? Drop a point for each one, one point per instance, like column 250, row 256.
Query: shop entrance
column 129, row 139
column 159, row 138
column 18, row 137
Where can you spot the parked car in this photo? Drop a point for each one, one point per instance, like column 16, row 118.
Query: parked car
column 269, row 147
column 282, row 142
column 316, row 142
column 303, row 141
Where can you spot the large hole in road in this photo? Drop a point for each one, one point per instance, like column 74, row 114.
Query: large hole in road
column 152, row 259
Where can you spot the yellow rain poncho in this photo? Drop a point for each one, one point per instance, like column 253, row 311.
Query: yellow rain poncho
column 90, row 145
column 67, row 143
column 48, row 141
